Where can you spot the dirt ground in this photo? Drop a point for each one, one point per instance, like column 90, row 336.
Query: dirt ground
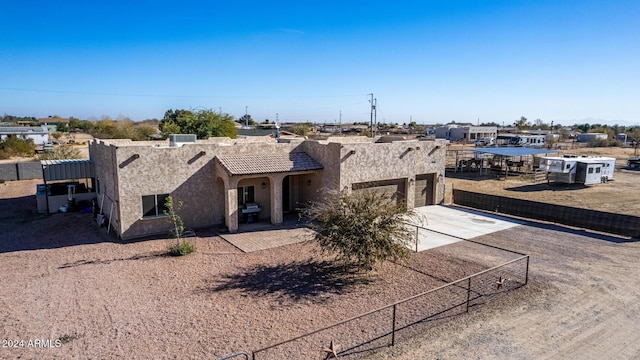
column 65, row 279
column 622, row 195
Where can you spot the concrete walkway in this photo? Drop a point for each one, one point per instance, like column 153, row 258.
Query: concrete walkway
column 262, row 236
column 439, row 225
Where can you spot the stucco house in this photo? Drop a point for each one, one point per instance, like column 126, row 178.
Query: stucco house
column 216, row 178
column 53, row 123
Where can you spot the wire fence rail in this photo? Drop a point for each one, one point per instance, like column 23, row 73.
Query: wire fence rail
column 382, row 327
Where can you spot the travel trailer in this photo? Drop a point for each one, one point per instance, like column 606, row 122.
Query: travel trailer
column 521, row 140
column 579, row 170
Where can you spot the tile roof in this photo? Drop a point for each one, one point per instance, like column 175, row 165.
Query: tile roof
column 268, row 163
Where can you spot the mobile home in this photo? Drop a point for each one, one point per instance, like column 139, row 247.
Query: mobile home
column 580, row 170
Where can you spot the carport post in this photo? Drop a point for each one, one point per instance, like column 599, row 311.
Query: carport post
column 46, row 191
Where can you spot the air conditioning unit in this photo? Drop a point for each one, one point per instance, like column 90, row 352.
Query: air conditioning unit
column 177, row 140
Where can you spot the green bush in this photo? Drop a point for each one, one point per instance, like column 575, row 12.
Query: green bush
column 180, row 249
column 61, row 153
column 362, row 228
column 13, row 146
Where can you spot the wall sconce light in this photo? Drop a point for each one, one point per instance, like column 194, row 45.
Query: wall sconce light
column 411, row 182
column 309, row 182
column 264, row 185
column 417, row 147
column 346, row 188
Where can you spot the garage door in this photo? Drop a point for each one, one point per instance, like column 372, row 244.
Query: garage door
column 392, row 188
column 424, row 190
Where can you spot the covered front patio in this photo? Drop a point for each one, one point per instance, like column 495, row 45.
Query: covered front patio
column 264, row 187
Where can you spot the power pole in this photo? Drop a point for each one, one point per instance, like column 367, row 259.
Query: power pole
column 340, row 123
column 375, row 116
column 373, row 108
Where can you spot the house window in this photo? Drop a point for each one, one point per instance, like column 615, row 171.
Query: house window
column 153, row 205
column 590, row 171
column 246, row 194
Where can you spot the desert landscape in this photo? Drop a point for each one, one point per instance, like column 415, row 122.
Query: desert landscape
column 94, row 296
column 622, row 195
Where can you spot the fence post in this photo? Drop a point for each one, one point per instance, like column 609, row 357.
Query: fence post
column 526, row 275
column 393, row 327
column 417, row 237
column 468, row 293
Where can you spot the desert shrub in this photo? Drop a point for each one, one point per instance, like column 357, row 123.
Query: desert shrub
column 61, row 153
column 13, row 146
column 180, row 247
column 361, row 228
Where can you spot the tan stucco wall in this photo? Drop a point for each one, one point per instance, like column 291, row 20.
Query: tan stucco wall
column 128, row 170
column 396, row 160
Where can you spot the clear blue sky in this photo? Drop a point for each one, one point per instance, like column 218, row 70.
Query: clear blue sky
column 430, row 61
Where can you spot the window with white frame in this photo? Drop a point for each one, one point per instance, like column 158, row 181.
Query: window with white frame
column 154, row 205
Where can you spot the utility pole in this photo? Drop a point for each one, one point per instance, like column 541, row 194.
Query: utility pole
column 340, row 123
column 373, row 108
column 375, row 116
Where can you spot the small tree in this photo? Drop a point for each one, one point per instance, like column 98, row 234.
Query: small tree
column 181, row 247
column 362, row 228
column 301, row 129
column 61, row 153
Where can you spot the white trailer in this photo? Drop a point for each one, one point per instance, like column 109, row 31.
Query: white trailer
column 537, row 141
column 580, row 170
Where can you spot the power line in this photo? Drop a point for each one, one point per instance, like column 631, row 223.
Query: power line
column 174, row 95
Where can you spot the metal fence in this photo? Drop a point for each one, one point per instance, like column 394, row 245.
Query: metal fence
column 382, row 327
column 620, row 224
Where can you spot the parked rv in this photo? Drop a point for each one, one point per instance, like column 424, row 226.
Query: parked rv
column 633, row 163
column 580, row 170
column 521, row 140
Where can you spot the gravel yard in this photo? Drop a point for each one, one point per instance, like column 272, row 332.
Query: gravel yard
column 67, row 280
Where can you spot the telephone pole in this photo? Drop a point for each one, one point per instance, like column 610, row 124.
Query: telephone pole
column 373, row 114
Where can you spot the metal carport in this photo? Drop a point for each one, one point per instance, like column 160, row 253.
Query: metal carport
column 508, row 152
column 56, row 170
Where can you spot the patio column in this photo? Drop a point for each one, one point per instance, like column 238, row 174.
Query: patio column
column 410, row 194
column 231, row 204
column 276, row 198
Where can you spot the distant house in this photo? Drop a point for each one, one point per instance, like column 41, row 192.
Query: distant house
column 53, row 123
column 465, row 132
column 591, row 137
column 38, row 134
